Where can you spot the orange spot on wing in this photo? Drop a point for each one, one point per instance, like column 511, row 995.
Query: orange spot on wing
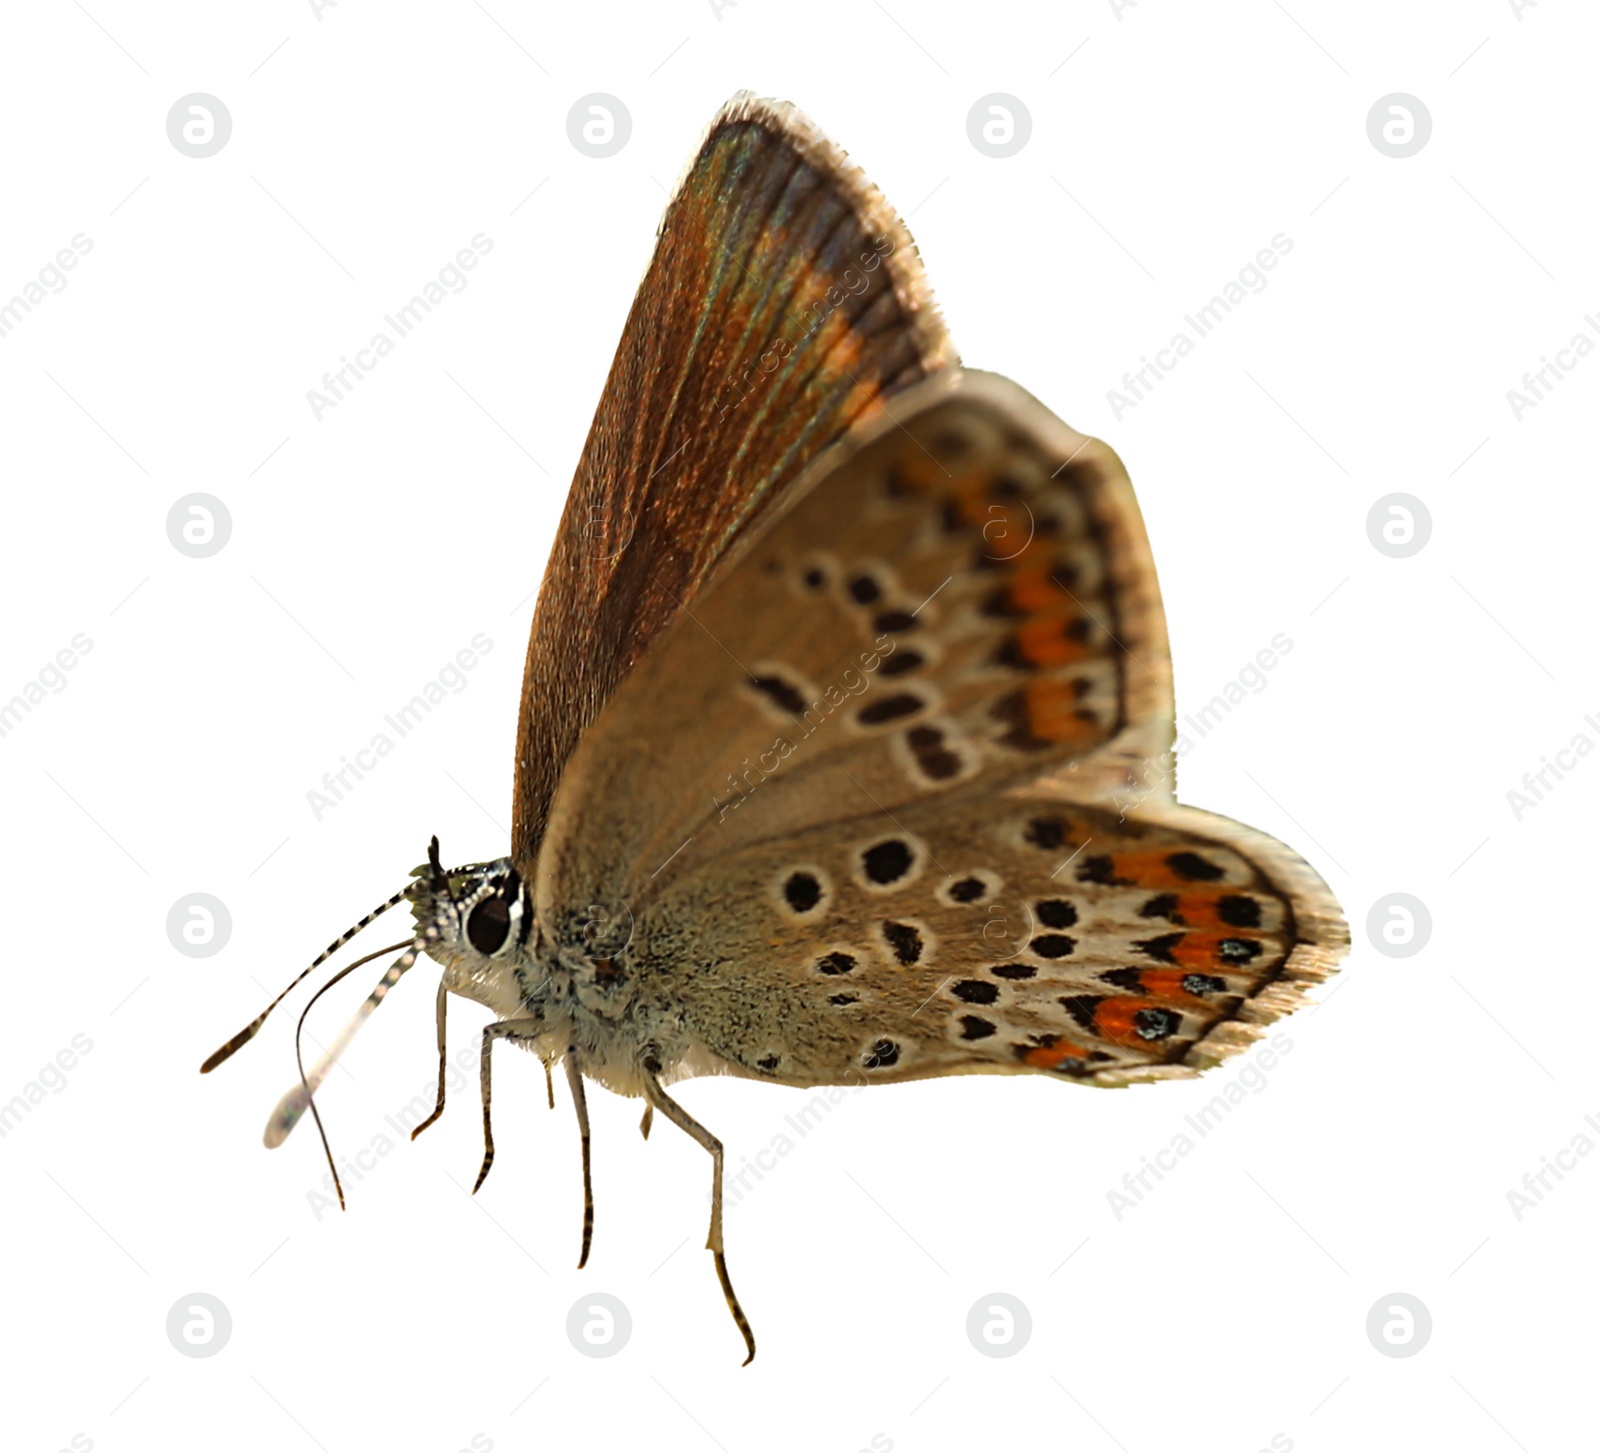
column 1055, row 1055
column 1053, row 712
column 1113, row 1019
column 917, row 471
column 1199, row 910
column 1199, row 950
column 1031, row 589
column 1150, row 869
column 1044, row 641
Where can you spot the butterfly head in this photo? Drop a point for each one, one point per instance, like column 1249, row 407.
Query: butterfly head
column 481, row 918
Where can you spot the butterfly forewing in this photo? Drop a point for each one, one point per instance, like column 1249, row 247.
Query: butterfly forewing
column 783, row 302
column 961, row 598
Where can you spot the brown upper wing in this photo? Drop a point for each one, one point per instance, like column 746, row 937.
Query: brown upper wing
column 783, row 302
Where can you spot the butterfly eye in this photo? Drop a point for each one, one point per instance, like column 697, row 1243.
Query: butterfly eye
column 488, row 924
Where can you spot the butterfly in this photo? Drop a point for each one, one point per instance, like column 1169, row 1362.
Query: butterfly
column 845, row 751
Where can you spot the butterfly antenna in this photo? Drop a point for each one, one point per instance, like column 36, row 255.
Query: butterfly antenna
column 295, row 1102
column 392, row 976
column 249, row 1032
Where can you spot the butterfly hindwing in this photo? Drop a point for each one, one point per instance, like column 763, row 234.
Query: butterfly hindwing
column 994, row 933
column 960, row 599
column 783, row 302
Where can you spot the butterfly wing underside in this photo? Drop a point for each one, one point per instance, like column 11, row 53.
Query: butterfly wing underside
column 906, row 784
column 959, row 598
column 783, row 302
column 1025, row 933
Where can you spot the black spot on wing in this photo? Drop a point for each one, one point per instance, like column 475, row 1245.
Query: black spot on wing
column 1049, row 833
column 881, row 1055
column 1193, row 867
column 901, row 662
column 1156, row 1023
column 890, row 708
column 1161, row 948
column 1163, row 905
column 802, row 891
column 1237, row 911
column 1082, row 1008
column 781, row 693
column 975, row 991
column 904, row 942
column 937, row 762
column 1053, row 945
column 1055, row 913
column 887, row 862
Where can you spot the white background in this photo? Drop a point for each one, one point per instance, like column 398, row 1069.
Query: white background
column 369, row 145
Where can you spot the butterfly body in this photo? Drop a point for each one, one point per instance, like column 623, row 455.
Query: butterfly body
column 579, row 995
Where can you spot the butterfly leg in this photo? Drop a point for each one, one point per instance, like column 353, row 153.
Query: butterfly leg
column 575, row 1080
column 500, row 1029
column 660, row 1100
column 438, row 1105
column 644, row 1120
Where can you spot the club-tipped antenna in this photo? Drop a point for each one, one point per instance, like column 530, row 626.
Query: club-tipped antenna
column 392, row 976
column 295, row 1101
column 249, row 1032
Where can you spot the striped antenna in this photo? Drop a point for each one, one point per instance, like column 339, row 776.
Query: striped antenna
column 392, row 976
column 293, row 1105
column 249, row 1032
